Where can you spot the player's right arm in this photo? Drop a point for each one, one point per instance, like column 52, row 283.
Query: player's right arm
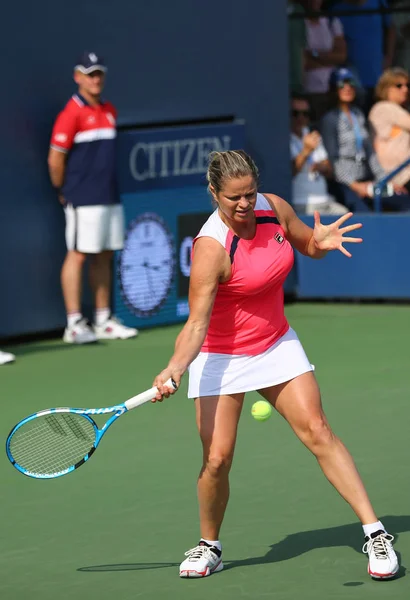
column 210, row 266
column 62, row 140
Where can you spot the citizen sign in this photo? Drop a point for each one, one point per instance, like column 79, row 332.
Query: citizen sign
column 174, row 158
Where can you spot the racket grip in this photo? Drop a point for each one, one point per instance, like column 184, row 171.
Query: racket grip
column 148, row 395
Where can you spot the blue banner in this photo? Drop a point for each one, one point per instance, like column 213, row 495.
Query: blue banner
column 165, row 198
column 172, row 157
column 378, row 268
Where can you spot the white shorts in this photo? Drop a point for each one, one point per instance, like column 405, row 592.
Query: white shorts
column 219, row 374
column 92, row 229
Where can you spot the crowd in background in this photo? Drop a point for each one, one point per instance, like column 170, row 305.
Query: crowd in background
column 350, row 124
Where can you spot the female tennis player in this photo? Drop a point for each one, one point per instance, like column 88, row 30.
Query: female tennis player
column 237, row 339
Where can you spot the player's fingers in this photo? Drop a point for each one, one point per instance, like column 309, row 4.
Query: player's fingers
column 344, row 251
column 349, row 228
column 352, row 240
column 343, row 218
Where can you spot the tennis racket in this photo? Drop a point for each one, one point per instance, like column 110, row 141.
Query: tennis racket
column 53, row 442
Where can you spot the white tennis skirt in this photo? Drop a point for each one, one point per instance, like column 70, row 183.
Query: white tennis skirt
column 219, row 374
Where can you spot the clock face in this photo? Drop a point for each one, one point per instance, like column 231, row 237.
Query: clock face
column 146, row 268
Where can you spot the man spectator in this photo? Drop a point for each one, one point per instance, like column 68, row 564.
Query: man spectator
column 326, row 48
column 297, row 45
column 370, row 42
column 401, row 21
column 310, row 165
column 82, row 168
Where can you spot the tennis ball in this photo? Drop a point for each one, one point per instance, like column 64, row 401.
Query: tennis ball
column 261, row 410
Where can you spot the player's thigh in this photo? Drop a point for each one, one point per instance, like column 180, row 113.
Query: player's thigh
column 217, row 420
column 297, row 400
column 92, row 228
column 116, row 227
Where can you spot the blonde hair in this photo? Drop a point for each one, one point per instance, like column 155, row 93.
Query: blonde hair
column 387, row 79
column 229, row 165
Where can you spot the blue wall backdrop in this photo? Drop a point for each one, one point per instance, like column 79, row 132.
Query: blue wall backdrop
column 167, row 62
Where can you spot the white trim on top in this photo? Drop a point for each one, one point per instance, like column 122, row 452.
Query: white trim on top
column 92, row 135
column 77, row 100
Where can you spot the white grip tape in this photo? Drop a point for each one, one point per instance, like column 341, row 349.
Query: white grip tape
column 147, row 396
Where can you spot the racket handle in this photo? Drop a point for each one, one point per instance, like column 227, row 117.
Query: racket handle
column 148, row 395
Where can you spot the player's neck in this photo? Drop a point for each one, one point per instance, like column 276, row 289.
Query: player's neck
column 246, row 230
column 91, row 99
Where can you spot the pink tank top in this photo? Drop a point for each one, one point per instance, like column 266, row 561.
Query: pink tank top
column 248, row 315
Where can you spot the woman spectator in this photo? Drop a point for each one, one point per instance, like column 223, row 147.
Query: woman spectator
column 326, row 49
column 350, row 149
column 391, row 122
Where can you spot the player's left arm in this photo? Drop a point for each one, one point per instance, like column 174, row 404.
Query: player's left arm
column 296, row 231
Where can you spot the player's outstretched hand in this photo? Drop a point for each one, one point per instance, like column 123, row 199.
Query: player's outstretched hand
column 331, row 237
column 163, row 390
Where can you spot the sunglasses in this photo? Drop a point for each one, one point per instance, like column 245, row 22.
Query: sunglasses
column 301, row 113
column 341, row 84
column 401, row 85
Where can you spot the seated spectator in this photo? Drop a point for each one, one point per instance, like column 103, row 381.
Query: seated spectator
column 391, row 122
column 310, row 165
column 401, row 22
column 350, row 149
column 370, row 42
column 326, row 49
column 6, row 357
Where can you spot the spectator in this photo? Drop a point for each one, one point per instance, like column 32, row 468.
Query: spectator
column 82, row 169
column 310, row 165
column 297, row 45
column 348, row 144
column 370, row 42
column 326, row 49
column 401, row 22
column 391, row 122
column 6, row 357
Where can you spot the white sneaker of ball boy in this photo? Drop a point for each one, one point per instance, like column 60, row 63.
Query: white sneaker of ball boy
column 205, row 559
column 81, row 332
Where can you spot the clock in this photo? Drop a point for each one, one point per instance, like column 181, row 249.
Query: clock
column 146, row 266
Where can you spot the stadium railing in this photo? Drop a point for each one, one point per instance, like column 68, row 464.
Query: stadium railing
column 379, row 188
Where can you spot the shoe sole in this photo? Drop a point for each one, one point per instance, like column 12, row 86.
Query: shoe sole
column 117, row 337
column 379, row 576
column 197, row 574
column 68, row 340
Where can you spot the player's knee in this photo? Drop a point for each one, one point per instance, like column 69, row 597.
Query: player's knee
column 218, row 463
column 75, row 257
column 318, row 435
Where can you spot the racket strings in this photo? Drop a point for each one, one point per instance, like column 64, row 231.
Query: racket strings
column 52, row 443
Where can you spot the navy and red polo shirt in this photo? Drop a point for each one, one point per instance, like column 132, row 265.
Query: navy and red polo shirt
column 88, row 134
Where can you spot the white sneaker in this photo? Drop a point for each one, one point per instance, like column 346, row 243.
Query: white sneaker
column 6, row 357
column 383, row 563
column 113, row 329
column 203, row 560
column 79, row 333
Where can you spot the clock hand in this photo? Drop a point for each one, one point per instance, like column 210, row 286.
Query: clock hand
column 150, row 283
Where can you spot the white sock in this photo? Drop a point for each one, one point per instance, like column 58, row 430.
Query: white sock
column 215, row 543
column 101, row 315
column 372, row 527
column 73, row 317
